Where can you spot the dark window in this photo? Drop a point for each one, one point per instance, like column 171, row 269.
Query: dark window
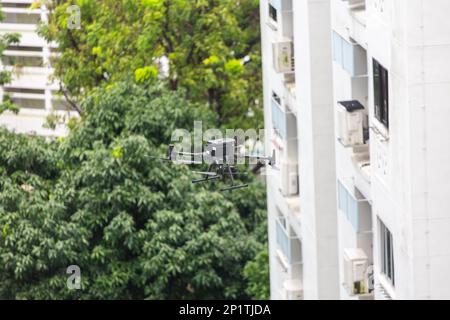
column 381, row 93
column 387, row 252
column 273, row 13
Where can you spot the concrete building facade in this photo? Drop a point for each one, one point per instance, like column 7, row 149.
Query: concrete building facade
column 355, row 99
column 31, row 88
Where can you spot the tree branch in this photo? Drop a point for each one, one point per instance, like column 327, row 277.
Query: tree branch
column 69, row 100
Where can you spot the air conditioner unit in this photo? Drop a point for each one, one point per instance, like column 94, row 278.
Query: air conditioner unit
column 283, row 56
column 350, row 118
column 289, row 179
column 292, row 290
column 356, row 272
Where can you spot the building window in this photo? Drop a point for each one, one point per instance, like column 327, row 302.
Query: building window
column 381, row 93
column 387, row 252
column 273, row 13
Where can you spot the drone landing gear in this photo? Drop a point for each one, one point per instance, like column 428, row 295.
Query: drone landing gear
column 220, row 171
column 208, row 178
column 242, row 186
column 232, row 187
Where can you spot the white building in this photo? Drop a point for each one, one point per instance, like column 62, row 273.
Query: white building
column 358, row 208
column 30, row 63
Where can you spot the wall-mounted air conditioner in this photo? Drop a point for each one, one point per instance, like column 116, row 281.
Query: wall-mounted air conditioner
column 289, row 179
column 292, row 290
column 283, row 56
column 350, row 121
column 356, row 272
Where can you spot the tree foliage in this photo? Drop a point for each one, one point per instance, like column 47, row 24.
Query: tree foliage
column 137, row 227
column 205, row 41
column 256, row 272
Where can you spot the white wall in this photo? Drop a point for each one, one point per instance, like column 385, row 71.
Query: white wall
column 411, row 173
column 410, row 161
column 317, row 160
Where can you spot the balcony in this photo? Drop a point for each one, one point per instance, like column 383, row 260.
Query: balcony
column 28, row 35
column 31, row 78
column 350, row 55
column 24, row 21
column 31, row 121
column 284, row 123
column 292, row 290
column 289, row 96
column 358, row 27
column 279, row 122
column 363, row 172
column 355, row 211
column 355, row 208
column 288, row 244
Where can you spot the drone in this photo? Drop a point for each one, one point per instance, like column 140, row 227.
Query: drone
column 221, row 155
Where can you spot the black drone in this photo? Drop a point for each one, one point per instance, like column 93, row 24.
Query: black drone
column 221, row 155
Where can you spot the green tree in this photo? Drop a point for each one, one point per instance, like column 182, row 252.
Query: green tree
column 207, row 43
column 256, row 273
column 137, row 227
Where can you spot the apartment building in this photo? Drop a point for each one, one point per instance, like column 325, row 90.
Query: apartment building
column 355, row 99
column 30, row 63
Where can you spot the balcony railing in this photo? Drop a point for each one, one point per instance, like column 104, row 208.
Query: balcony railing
column 289, row 96
column 278, row 119
column 355, row 207
column 288, row 245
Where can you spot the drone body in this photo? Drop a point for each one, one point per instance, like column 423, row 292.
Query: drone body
column 220, row 151
column 221, row 155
